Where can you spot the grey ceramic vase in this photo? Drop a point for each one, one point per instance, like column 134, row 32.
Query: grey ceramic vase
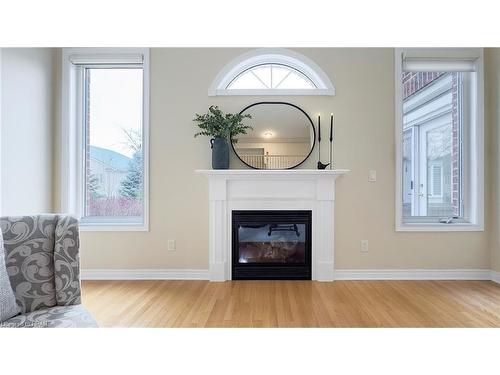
column 220, row 153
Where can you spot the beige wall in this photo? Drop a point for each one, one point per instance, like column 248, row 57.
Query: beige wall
column 364, row 110
column 28, row 98
column 492, row 79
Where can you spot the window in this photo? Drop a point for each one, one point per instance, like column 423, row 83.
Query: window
column 271, row 76
column 439, row 127
column 106, row 123
column 272, row 72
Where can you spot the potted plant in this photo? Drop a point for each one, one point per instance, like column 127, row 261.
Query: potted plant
column 222, row 128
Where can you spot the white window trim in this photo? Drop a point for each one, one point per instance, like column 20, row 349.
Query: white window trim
column 71, row 133
column 1, row 169
column 271, row 56
column 474, row 182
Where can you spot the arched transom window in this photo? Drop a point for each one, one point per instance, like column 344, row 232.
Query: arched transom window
column 272, row 72
column 271, row 76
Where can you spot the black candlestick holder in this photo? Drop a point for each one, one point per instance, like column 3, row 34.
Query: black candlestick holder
column 322, row 166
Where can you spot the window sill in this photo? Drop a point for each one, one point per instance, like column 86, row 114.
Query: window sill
column 439, row 227
column 93, row 227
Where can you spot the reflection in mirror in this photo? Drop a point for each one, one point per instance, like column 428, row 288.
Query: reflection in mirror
column 283, row 136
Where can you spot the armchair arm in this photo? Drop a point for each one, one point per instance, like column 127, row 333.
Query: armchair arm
column 67, row 261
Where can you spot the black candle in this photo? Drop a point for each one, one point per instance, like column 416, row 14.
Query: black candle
column 331, row 127
column 319, row 128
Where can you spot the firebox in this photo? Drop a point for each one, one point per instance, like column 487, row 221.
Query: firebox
column 270, row 245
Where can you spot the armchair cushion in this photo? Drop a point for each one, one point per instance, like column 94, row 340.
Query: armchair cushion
column 8, row 305
column 29, row 247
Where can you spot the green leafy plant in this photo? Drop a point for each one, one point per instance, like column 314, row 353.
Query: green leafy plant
column 216, row 124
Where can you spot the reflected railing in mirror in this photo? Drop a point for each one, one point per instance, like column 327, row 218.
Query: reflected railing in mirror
column 272, row 161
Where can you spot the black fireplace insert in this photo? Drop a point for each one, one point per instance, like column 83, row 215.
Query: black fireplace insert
column 271, row 245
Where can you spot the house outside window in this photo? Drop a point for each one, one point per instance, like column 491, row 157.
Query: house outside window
column 432, row 121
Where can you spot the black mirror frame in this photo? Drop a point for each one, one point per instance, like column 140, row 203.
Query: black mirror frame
column 291, row 105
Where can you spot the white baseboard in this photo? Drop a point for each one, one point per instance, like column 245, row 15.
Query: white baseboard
column 353, row 274
column 143, row 274
column 414, row 274
column 495, row 276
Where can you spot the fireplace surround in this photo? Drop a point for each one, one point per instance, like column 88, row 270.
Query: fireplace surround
column 271, row 190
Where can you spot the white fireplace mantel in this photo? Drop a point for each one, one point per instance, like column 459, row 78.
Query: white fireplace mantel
column 251, row 189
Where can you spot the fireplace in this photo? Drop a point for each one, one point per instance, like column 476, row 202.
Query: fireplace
column 232, row 190
column 271, row 245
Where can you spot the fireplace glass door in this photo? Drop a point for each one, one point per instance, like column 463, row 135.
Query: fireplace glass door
column 271, row 245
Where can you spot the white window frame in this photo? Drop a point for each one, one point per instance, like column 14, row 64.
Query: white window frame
column 473, row 157
column 279, row 56
column 71, row 164
column 1, row 169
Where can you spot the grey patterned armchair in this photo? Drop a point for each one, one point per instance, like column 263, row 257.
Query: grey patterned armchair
column 44, row 271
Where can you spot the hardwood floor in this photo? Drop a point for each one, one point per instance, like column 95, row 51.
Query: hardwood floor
column 293, row 303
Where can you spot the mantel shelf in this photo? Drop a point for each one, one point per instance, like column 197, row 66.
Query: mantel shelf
column 272, row 172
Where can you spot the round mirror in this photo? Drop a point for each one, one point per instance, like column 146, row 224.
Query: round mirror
column 283, row 136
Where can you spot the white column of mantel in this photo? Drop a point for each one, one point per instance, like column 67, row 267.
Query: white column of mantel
column 323, row 229
column 218, row 227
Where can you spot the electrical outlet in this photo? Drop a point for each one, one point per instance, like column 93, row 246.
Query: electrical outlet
column 364, row 246
column 171, row 245
column 372, row 175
